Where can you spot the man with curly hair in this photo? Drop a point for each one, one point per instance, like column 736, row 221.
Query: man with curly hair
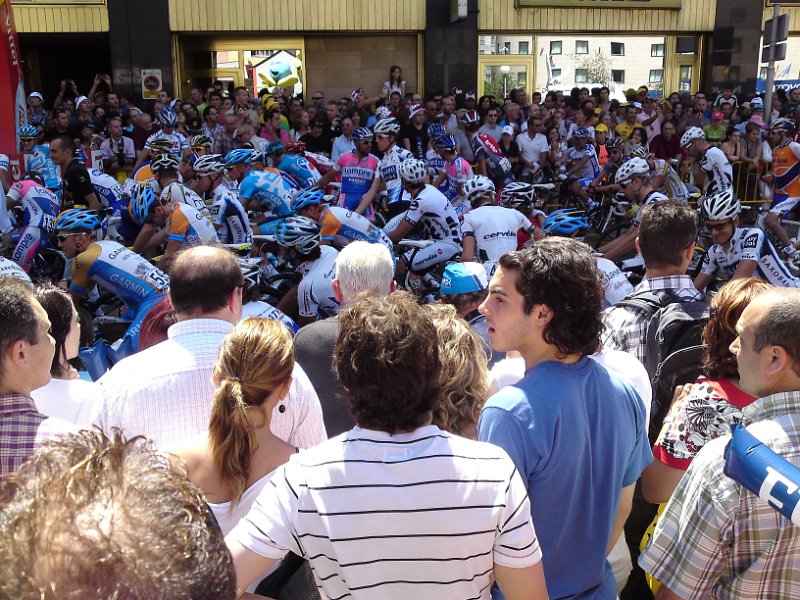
column 576, row 432
column 396, row 507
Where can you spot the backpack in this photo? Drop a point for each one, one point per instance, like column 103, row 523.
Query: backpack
column 497, row 165
column 673, row 347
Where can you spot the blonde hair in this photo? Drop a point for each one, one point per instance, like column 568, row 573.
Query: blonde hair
column 255, row 359
column 464, row 377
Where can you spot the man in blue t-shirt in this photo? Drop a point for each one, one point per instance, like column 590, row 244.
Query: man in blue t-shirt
column 576, row 432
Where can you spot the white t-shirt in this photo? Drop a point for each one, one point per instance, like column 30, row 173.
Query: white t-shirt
column 495, row 230
column 531, row 149
column 73, row 400
column 615, row 285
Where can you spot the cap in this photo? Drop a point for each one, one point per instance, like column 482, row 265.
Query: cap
column 598, row 110
column 507, row 130
column 35, row 95
column 601, row 128
column 415, row 110
column 79, row 99
column 745, row 105
column 463, row 278
column 355, row 93
column 641, row 89
column 717, row 115
column 637, row 105
column 757, row 102
column 469, row 96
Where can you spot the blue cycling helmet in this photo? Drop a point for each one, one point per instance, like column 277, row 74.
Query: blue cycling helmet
column 581, row 132
column 168, row 117
column 240, row 156
column 307, row 197
column 435, row 130
column 273, row 148
column 446, row 142
column 143, row 198
column 78, row 220
column 464, row 278
column 80, row 154
column 362, row 133
column 301, row 234
column 28, row 131
column 565, row 222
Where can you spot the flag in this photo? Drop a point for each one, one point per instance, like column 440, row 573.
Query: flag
column 785, row 73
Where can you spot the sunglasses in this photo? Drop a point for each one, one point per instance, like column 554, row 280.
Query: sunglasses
column 317, row 97
column 62, row 237
column 27, row 139
column 364, row 141
column 718, row 226
column 380, row 136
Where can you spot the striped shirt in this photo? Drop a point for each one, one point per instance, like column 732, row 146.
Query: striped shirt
column 626, row 327
column 415, row 515
column 718, row 540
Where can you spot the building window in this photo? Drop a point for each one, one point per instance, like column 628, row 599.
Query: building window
column 582, row 47
column 581, row 75
column 618, row 75
column 506, row 49
column 656, row 75
column 524, row 48
column 555, row 47
column 617, row 49
column 734, row 74
column 656, row 49
column 556, row 73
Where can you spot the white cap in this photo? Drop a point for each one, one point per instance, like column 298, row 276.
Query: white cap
column 637, row 105
column 79, row 99
column 415, row 110
column 35, row 95
column 508, row 129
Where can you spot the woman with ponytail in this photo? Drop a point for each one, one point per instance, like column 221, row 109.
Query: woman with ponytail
column 231, row 463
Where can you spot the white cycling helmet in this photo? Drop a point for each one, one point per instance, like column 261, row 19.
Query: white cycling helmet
column 634, row 166
column 690, row 135
column 478, row 187
column 783, row 124
column 722, row 205
column 388, row 126
column 210, row 164
column 164, row 162
column 517, row 194
column 640, row 151
column 412, row 170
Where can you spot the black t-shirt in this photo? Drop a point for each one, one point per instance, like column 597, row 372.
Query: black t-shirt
column 418, row 140
column 77, row 184
column 53, row 133
column 321, row 144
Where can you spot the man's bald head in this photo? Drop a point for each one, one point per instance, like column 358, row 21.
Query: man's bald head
column 202, row 280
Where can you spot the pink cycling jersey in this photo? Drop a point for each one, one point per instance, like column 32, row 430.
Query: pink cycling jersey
column 357, row 176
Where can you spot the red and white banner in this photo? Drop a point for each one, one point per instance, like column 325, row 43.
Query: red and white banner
column 12, row 92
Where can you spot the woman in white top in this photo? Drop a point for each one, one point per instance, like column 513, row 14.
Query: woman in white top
column 395, row 83
column 66, row 396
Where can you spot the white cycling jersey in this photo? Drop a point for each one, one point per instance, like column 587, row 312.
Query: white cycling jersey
column 315, row 293
column 652, row 197
column 389, row 172
column 433, row 211
column 749, row 243
column 108, row 188
column 178, row 192
column 230, row 217
column 718, row 170
column 615, row 285
column 495, row 230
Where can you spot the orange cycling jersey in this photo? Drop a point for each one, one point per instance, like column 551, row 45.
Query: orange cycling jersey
column 190, row 227
column 786, row 169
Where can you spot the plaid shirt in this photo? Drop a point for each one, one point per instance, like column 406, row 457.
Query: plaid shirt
column 626, row 328
column 224, row 141
column 22, row 429
column 718, row 540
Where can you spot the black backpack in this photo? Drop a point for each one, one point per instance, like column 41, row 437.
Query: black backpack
column 673, row 348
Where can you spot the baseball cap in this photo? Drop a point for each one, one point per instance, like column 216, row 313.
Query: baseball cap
column 601, row 128
column 355, row 93
column 757, row 102
column 507, row 130
column 463, row 278
column 79, row 99
column 745, row 105
column 717, row 115
column 469, row 96
column 35, row 95
column 637, row 105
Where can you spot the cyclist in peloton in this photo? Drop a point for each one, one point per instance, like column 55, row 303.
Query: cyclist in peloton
column 489, row 230
column 111, row 266
column 786, row 178
column 490, row 160
column 178, row 146
column 585, row 164
column 738, row 251
column 268, row 191
column 227, row 213
column 605, row 180
column 456, row 172
column 291, row 159
column 520, row 196
column 339, row 226
column 432, row 211
column 181, row 225
column 201, row 145
column 108, row 188
column 36, row 158
column 165, row 168
column 39, row 209
column 573, row 224
column 357, row 168
column 634, row 179
column 432, row 155
column 663, row 176
column 713, row 171
column 299, row 238
column 387, row 176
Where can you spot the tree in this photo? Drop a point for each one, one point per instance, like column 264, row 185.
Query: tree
column 597, row 65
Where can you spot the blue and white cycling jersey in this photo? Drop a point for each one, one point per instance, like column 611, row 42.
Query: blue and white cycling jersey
column 179, row 143
column 315, row 297
column 262, row 310
column 390, row 174
column 39, row 160
column 435, row 165
column 300, row 169
column 108, row 188
column 592, row 167
column 272, row 189
column 230, row 218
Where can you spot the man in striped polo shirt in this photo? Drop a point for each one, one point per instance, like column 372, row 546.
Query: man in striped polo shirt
column 395, row 508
